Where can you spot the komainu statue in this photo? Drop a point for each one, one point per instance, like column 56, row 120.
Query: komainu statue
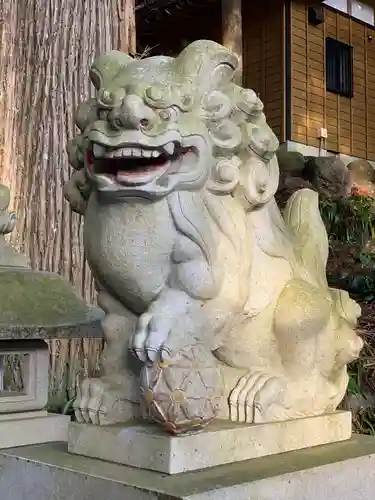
column 217, row 306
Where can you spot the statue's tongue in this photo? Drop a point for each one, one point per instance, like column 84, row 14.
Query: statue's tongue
column 140, row 176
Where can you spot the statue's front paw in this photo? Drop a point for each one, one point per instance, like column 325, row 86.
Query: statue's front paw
column 77, row 191
column 99, row 403
column 153, row 340
column 254, row 395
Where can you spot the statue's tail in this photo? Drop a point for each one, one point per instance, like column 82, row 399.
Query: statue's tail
column 303, row 218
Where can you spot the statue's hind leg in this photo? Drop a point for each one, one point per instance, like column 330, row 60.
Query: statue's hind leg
column 280, row 348
column 255, row 367
column 114, row 397
column 302, row 329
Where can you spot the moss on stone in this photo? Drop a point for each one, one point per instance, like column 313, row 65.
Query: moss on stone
column 37, row 298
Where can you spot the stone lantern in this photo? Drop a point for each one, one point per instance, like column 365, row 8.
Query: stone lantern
column 34, row 306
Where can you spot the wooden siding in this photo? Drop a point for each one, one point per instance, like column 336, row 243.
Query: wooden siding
column 263, row 58
column 348, row 120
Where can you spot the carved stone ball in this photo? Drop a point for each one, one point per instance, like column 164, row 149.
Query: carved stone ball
column 183, row 395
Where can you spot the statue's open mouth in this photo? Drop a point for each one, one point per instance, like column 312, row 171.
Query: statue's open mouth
column 133, row 164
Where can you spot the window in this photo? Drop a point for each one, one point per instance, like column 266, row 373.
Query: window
column 359, row 10
column 362, row 11
column 339, row 67
column 341, row 5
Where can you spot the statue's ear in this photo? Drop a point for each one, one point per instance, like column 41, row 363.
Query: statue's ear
column 207, row 63
column 107, row 66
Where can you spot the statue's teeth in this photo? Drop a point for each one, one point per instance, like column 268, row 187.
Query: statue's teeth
column 169, row 148
column 118, row 153
column 135, row 152
column 98, row 151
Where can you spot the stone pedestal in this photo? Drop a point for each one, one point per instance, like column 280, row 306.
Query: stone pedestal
column 148, row 447
column 32, row 427
column 340, row 471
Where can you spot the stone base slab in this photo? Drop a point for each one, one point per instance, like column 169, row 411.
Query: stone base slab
column 148, row 447
column 23, row 429
column 340, row 471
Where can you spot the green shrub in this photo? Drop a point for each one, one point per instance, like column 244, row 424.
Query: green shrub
column 350, row 220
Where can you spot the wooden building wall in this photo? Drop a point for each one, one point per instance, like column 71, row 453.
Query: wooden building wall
column 348, row 120
column 263, row 58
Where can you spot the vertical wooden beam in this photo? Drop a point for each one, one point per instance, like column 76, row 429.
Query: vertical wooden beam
column 232, row 30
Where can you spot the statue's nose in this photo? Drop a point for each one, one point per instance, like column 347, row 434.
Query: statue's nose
column 133, row 114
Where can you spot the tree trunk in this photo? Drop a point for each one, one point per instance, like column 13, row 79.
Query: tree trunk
column 46, row 48
column 124, row 25
column 232, row 31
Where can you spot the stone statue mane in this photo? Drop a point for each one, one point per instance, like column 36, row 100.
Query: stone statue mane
column 223, row 300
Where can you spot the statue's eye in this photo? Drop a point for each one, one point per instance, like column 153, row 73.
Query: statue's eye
column 155, row 93
column 165, row 115
column 117, row 123
column 170, row 114
column 103, row 114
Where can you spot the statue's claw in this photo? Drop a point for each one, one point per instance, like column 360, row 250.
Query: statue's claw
column 81, row 403
column 140, row 337
column 149, row 342
column 100, row 404
column 253, row 395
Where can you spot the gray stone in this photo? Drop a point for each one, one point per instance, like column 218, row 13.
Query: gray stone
column 363, row 176
column 34, row 374
column 291, row 163
column 362, row 171
column 88, row 327
column 341, row 471
column 223, row 442
column 329, row 176
column 32, row 427
column 36, row 304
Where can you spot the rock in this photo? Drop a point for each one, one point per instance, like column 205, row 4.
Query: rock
column 362, row 170
column 363, row 176
column 291, row 163
column 287, row 186
column 325, row 174
column 329, row 176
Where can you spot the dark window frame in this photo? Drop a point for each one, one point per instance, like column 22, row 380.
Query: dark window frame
column 339, row 67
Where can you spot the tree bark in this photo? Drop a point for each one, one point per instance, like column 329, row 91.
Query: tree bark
column 124, row 25
column 46, row 48
column 232, row 31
